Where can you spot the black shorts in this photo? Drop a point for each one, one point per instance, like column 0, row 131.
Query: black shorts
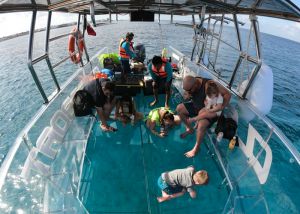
column 193, row 112
column 126, row 67
column 159, row 82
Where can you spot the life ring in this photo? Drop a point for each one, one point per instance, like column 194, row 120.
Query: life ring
column 72, row 43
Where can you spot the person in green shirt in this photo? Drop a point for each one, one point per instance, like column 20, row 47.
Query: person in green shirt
column 161, row 117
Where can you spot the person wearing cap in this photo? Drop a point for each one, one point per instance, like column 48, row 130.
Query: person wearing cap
column 176, row 182
column 126, row 52
column 161, row 72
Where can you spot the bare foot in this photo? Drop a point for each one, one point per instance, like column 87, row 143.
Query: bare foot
column 162, row 199
column 108, row 128
column 186, row 133
column 190, row 154
column 153, row 103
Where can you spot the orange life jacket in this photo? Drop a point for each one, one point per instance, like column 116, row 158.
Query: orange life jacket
column 162, row 72
column 122, row 51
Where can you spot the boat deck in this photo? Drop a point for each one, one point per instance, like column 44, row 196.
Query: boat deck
column 122, row 175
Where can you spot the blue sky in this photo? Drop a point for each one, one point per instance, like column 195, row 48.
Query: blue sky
column 20, row 22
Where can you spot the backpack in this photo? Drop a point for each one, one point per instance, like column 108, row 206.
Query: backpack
column 226, row 125
column 83, row 103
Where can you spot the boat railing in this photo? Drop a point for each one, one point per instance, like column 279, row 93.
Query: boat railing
column 253, row 168
column 45, row 55
column 46, row 160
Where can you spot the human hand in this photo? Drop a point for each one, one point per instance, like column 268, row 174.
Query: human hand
column 162, row 134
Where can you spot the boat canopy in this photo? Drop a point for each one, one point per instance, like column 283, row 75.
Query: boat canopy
column 284, row 9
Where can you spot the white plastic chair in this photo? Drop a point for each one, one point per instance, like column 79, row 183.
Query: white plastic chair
column 46, row 140
column 32, row 164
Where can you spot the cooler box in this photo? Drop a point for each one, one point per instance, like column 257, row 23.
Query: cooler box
column 132, row 86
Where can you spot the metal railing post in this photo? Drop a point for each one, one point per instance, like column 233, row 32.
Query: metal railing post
column 238, row 63
column 254, row 24
column 218, row 42
column 77, row 37
column 29, row 63
column 84, row 46
column 47, row 51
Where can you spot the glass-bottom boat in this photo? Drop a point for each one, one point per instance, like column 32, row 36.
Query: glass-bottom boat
column 65, row 164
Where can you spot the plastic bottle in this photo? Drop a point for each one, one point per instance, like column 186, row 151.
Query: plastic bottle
column 232, row 143
column 164, row 53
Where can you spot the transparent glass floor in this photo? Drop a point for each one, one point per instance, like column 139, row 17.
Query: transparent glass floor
column 121, row 169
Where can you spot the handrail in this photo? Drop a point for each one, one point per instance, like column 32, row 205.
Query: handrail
column 65, row 59
column 59, row 37
column 38, row 59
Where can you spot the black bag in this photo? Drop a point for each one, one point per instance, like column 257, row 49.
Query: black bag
column 83, row 103
column 226, row 125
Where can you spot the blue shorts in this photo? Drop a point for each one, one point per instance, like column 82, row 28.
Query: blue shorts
column 170, row 190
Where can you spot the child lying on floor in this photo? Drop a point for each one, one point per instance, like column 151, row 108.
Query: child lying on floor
column 175, row 183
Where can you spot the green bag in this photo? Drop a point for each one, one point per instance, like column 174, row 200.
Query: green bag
column 113, row 56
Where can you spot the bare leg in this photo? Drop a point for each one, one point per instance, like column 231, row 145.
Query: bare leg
column 108, row 107
column 166, row 197
column 183, row 114
column 168, row 93
column 203, row 114
column 155, row 92
column 167, row 99
column 201, row 129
